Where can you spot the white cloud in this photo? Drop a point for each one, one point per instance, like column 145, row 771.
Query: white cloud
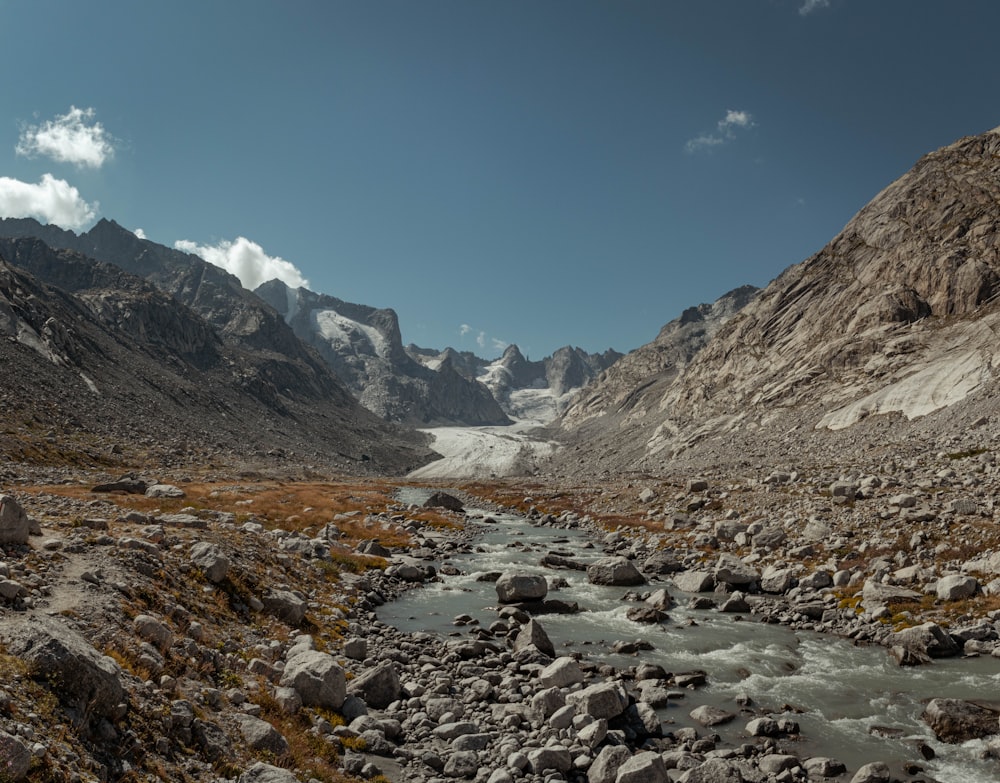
column 463, row 330
column 247, row 260
column 499, row 345
column 481, row 339
column 725, row 131
column 813, row 5
column 69, row 138
column 50, row 201
column 140, row 233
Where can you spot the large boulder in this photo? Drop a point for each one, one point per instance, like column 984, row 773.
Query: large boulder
column 955, row 587
column 445, row 501
column 85, row 681
column 608, row 762
column 954, row 720
column 929, row 640
column 694, row 581
column 14, row 524
column 614, row 571
column 731, row 570
column 16, row 758
column 259, row 772
column 533, row 635
column 317, row 678
column 646, row 767
column 516, row 587
column 378, row 687
column 208, row 558
column 286, row 606
column 560, row 673
column 603, row 700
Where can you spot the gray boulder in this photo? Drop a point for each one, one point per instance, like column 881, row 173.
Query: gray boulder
column 261, row 735
column 260, row 772
column 876, row 772
column 208, row 558
column 560, row 673
column 554, row 757
column 164, row 491
column 714, row 771
column 515, row 587
column 378, row 687
column 614, row 571
column 15, row 758
column 608, row 762
column 708, row 715
column 14, row 524
column 954, row 720
column 602, row 700
column 694, row 581
column 929, row 640
column 955, row 587
column 317, row 678
column 731, row 570
column 533, row 634
column 286, row 606
column 646, row 767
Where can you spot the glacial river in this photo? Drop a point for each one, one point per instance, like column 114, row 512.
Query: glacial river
column 846, row 698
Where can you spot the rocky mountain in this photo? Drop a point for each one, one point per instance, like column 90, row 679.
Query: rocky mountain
column 533, row 390
column 364, row 347
column 101, row 363
column 895, row 319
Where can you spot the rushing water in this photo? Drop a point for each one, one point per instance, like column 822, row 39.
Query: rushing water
column 839, row 692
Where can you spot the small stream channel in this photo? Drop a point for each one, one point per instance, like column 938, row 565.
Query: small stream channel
column 846, row 698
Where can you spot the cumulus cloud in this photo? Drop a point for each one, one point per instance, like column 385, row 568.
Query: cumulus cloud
column 247, row 260
column 813, row 5
column 140, row 233
column 51, row 200
column 70, row 138
column 499, row 345
column 464, row 329
column 725, row 131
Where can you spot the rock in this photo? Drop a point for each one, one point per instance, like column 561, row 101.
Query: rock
column 127, row 484
column 735, row 604
column 663, row 561
column 928, row 639
column 847, row 490
column 14, row 525
column 645, row 614
column 776, row 763
column 647, row 495
column 547, row 702
column 876, row 772
column 356, row 648
column 593, row 734
column 875, row 594
column 164, row 491
column 954, row 720
column 554, row 757
column 714, row 771
column 614, row 571
column 208, row 558
column 516, row 587
column 660, row 599
column 608, row 762
column 694, row 581
column 646, row 767
column 15, row 758
column 731, row 570
column 152, row 630
column 560, row 673
column 445, row 501
column 261, row 735
column 823, row 767
column 707, row 715
column 85, row 681
column 260, row 772
column 286, row 606
column 763, row 727
column 602, row 700
column 378, row 687
column 317, row 678
column 956, row 587
column 534, row 634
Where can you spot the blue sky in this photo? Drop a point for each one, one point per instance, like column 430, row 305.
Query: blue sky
column 543, row 173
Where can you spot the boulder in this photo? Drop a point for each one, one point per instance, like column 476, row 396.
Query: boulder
column 317, row 678
column 955, row 587
column 86, row 682
column 614, row 571
column 445, row 501
column 560, row 673
column 153, row 631
column 259, row 772
column 876, row 772
column 714, row 771
column 554, row 757
column 208, row 558
column 777, row 580
column 929, row 640
column 708, row 715
column 15, row 758
column 608, row 762
column 731, row 570
column 286, row 606
column 955, row 721
column 14, row 524
column 533, row 634
column 602, row 700
column 646, row 767
column 663, row 561
column 261, row 735
column 164, row 491
column 694, row 581
column 378, row 687
column 876, row 594
column 515, row 587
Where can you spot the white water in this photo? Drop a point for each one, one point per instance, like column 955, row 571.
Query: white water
column 839, row 691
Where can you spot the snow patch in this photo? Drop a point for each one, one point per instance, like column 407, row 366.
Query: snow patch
column 340, row 331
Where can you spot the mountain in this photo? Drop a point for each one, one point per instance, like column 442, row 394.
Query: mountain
column 892, row 321
column 527, row 390
column 364, row 347
column 99, row 362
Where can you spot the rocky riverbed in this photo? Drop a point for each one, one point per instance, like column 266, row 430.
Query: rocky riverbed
column 225, row 628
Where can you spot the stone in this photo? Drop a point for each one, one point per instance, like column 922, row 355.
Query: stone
column 736, row 603
column 14, row 525
column 445, row 501
column 660, row 599
column 777, row 580
column 602, row 700
column 876, row 772
column 708, row 715
column 875, row 594
column 554, row 757
column 86, row 682
column 823, row 767
column 928, row 639
column 15, row 758
column 560, row 673
column 776, row 763
column 153, row 631
column 261, row 735
column 955, row 587
column 731, row 570
column 714, row 771
column 616, row 571
column 378, row 687
column 356, row 648
column 763, row 727
column 285, row 605
column 317, row 678
column 608, row 762
column 645, row 767
column 955, row 720
column 663, row 561
column 208, row 558
column 533, row 634
column 847, row 490
column 164, row 491
column 259, row 772
column 593, row 733
column 516, row 587
column 645, row 614
column 694, row 581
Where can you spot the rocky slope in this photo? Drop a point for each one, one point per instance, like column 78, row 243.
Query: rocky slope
column 364, row 346
column 101, row 366
column 895, row 316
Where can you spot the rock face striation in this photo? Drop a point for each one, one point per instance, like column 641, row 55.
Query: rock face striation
column 896, row 315
column 364, row 347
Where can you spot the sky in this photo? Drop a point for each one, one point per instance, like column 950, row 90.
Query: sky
column 538, row 172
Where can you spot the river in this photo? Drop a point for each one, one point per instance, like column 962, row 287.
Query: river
column 846, row 698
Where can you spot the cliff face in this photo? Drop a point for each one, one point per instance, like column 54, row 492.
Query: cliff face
column 895, row 315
